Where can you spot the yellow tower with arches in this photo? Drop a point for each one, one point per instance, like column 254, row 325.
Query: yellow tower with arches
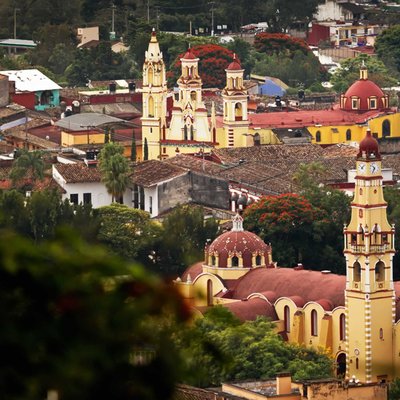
column 369, row 294
column 154, row 99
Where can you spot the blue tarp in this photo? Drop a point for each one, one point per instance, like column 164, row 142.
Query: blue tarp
column 270, row 88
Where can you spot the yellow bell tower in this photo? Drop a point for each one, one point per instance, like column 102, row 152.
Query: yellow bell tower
column 154, row 94
column 235, row 99
column 369, row 294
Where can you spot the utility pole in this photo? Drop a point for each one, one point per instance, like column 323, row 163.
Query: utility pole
column 157, row 17
column 212, row 17
column 148, row 11
column 112, row 33
column 15, row 22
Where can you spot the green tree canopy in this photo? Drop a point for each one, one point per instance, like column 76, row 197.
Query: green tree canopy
column 128, row 232
column 114, row 170
column 387, row 48
column 83, row 323
column 349, row 72
column 28, row 166
column 218, row 348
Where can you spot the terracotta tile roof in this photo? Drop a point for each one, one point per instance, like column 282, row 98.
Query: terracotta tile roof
column 33, row 139
column 194, row 163
column 287, row 282
column 10, row 110
column 77, row 173
column 149, row 173
column 184, row 392
column 249, row 310
column 50, row 131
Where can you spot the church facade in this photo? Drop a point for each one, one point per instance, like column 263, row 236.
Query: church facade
column 187, row 126
column 353, row 317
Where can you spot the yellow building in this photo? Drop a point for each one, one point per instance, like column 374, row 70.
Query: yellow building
column 189, row 129
column 354, row 317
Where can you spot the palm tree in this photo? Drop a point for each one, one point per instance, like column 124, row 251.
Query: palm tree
column 114, row 170
column 28, row 165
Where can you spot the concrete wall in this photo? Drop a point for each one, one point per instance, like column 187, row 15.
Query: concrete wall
column 209, row 191
column 172, row 193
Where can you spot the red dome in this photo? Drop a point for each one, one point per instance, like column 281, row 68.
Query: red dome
column 369, row 147
column 235, row 64
column 235, row 242
column 364, row 90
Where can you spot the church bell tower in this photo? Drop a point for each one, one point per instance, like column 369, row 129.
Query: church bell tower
column 369, row 294
column 154, row 99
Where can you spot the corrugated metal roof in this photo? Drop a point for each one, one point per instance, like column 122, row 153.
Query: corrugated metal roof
column 83, row 121
column 30, row 80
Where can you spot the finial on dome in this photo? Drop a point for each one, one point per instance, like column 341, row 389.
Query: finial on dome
column 237, row 223
column 363, row 71
column 153, row 36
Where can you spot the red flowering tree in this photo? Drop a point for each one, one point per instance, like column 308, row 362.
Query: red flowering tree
column 214, row 59
column 287, row 221
column 279, row 43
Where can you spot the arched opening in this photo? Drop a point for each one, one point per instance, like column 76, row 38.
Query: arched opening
column 381, row 334
column 209, row 292
column 342, row 326
column 341, row 365
column 185, row 132
column 314, row 323
column 151, row 106
column 193, row 95
column 348, row 134
column 150, row 76
column 356, row 272
column 318, row 136
column 191, row 132
column 286, row 318
column 380, row 272
column 357, row 363
column 258, row 260
column 257, row 139
column 238, row 112
column 235, row 261
column 386, row 128
column 213, row 260
column 237, row 83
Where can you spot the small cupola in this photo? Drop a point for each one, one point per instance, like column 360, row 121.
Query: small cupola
column 369, row 147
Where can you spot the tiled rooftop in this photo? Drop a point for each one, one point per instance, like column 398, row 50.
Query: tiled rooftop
column 76, row 173
column 149, row 173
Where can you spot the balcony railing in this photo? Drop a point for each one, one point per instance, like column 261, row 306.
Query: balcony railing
column 373, row 248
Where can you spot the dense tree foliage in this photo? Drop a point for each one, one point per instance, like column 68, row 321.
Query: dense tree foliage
column 303, row 228
column 388, row 48
column 114, row 170
column 28, row 166
column 214, row 59
column 83, row 323
column 349, row 72
column 218, row 348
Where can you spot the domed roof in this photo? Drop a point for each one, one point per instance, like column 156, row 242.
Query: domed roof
column 369, row 147
column 240, row 243
column 235, row 64
column 364, row 91
column 189, row 55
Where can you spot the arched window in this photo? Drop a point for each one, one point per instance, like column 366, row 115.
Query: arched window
column 193, row 95
column 258, row 260
column 213, row 260
column 381, row 334
column 314, row 323
column 286, row 318
column 150, row 75
column 357, row 272
column 257, row 139
column 318, row 136
column 238, row 112
column 235, row 261
column 151, row 106
column 342, row 326
column 386, row 128
column 357, row 363
column 348, row 134
column 380, row 272
column 209, row 292
column 191, row 132
column 185, row 132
